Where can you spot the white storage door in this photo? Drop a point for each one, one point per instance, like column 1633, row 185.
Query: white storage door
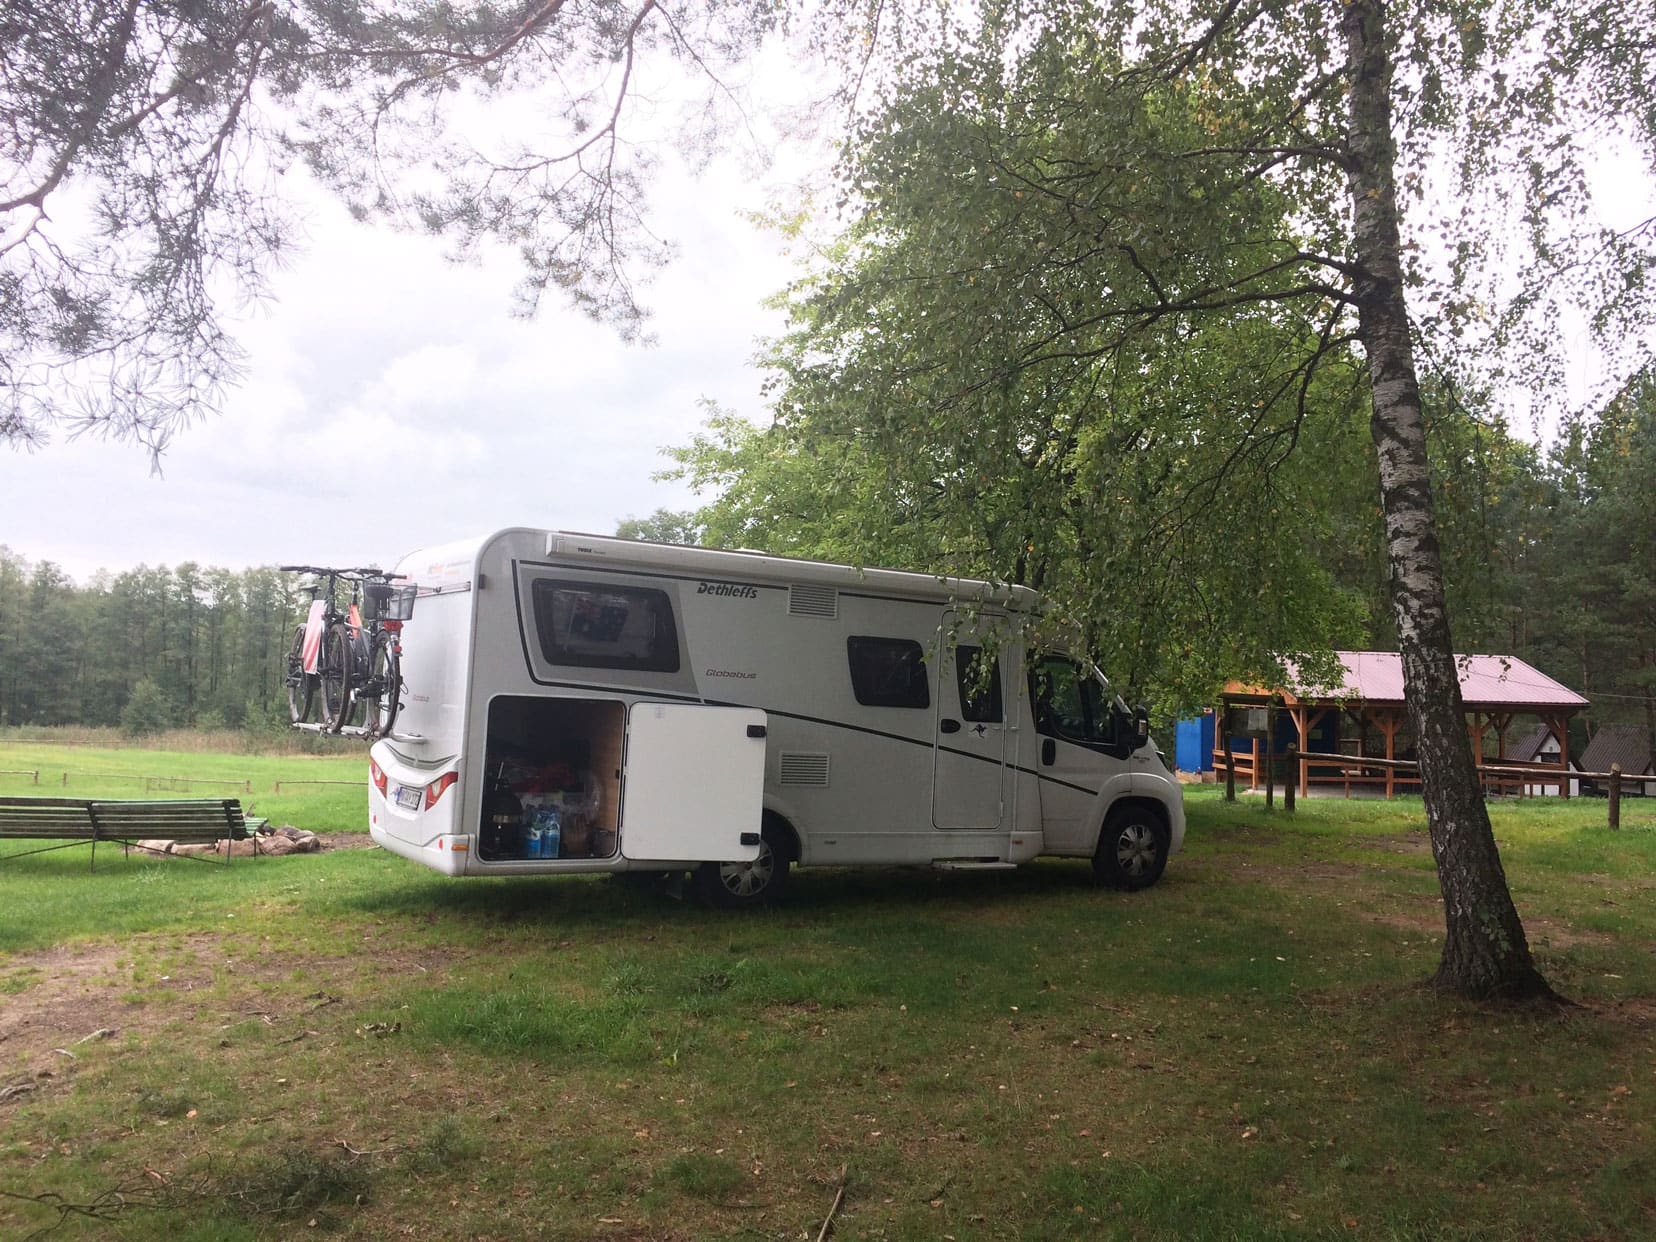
column 694, row 783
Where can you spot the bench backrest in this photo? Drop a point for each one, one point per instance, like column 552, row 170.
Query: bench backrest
column 191, row 819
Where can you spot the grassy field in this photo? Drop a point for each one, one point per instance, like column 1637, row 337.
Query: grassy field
column 325, row 792
column 348, row 1045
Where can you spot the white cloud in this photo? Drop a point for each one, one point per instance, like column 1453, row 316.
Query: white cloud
column 392, row 401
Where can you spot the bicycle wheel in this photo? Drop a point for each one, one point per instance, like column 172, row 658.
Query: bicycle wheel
column 334, row 671
column 359, row 690
column 301, row 686
column 385, row 676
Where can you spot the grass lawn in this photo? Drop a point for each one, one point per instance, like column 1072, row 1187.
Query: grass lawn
column 328, row 791
column 1243, row 1051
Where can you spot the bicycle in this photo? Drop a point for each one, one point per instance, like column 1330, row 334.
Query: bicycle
column 319, row 657
column 375, row 684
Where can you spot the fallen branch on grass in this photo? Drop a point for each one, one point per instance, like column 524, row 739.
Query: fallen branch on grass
column 839, row 1198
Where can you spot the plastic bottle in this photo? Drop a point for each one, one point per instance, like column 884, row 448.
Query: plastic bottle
column 551, row 833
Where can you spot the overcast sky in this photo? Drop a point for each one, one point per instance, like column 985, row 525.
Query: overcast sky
column 392, row 403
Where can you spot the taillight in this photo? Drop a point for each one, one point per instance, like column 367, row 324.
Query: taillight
column 439, row 787
column 377, row 775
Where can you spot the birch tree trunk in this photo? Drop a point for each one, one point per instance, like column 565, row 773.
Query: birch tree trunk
column 1485, row 952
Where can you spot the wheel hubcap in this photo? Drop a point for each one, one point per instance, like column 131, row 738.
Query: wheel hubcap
column 1136, row 849
column 744, row 879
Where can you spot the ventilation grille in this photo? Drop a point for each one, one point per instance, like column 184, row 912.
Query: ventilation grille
column 813, row 601
column 802, row 768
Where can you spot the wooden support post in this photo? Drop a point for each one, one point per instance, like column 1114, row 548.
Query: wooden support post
column 1561, row 730
column 1230, row 771
column 1389, row 727
column 1271, row 750
column 1615, row 797
column 1293, row 780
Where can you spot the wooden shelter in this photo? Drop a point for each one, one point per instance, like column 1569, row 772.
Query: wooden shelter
column 1337, row 728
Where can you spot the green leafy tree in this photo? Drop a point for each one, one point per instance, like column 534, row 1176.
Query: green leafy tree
column 14, row 574
column 662, row 526
column 148, row 710
column 50, row 650
column 1600, row 591
column 1126, row 212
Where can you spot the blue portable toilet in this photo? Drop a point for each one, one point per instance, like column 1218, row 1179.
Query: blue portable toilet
column 1193, row 743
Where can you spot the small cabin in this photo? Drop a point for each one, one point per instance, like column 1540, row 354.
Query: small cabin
column 1627, row 746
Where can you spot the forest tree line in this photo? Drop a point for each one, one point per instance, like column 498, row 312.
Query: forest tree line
column 199, row 646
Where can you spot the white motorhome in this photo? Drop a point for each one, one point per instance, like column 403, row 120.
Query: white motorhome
column 579, row 704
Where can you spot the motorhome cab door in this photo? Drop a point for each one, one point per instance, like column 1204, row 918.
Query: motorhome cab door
column 1084, row 744
column 969, row 760
column 694, row 784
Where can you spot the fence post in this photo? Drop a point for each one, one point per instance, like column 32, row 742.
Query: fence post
column 1270, row 755
column 1230, row 772
column 1615, row 797
column 1293, row 778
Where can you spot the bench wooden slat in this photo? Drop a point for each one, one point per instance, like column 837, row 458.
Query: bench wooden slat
column 95, row 819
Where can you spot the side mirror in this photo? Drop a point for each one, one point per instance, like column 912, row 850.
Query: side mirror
column 1141, row 725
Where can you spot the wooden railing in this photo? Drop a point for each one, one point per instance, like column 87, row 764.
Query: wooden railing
column 1403, row 775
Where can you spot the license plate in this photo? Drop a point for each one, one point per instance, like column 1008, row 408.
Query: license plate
column 409, row 796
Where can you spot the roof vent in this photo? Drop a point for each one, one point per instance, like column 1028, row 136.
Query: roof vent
column 804, row 768
column 812, row 601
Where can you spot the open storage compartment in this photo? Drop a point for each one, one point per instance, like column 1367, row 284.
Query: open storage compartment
column 553, row 768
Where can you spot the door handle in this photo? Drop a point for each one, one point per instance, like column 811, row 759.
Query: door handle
column 1049, row 752
column 948, row 726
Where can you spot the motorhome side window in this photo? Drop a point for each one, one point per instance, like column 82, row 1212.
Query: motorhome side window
column 594, row 625
column 888, row 672
column 980, row 688
column 1070, row 704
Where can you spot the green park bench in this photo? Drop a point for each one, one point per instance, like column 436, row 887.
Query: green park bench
column 67, row 822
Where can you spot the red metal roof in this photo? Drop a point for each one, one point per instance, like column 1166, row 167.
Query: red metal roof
column 1486, row 681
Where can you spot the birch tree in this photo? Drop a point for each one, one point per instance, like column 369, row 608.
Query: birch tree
column 1083, row 191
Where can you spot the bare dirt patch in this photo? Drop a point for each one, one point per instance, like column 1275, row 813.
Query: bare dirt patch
column 69, row 996
column 66, row 996
column 346, row 841
column 1414, row 844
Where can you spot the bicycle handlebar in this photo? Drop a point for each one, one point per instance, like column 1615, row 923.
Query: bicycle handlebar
column 360, row 572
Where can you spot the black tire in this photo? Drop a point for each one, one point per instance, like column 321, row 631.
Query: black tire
column 360, row 709
column 1132, row 849
column 744, row 886
column 333, row 669
column 301, row 686
column 385, row 684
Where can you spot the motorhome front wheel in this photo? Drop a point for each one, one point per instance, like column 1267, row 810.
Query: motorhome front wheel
column 1132, row 849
